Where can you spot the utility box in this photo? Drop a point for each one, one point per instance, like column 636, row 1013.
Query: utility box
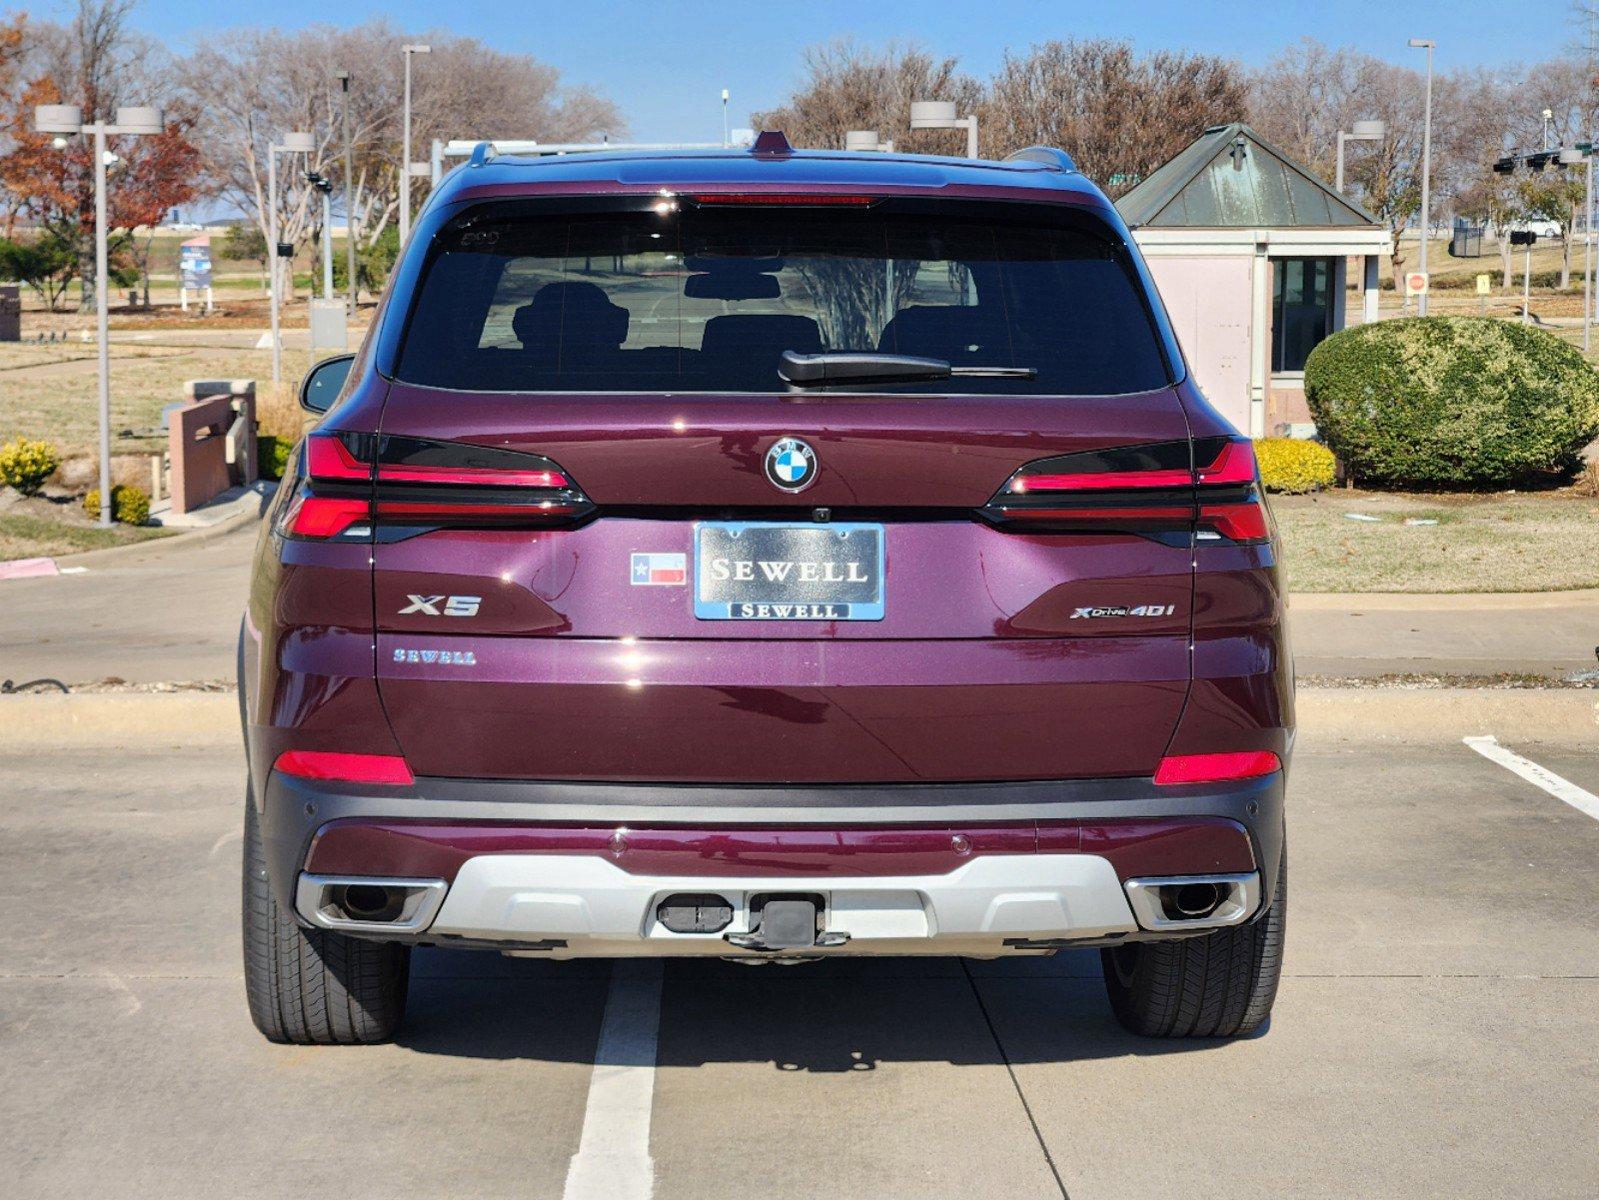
column 10, row 312
column 330, row 327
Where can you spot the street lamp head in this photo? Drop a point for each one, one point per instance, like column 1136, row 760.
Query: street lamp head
column 58, row 118
column 344, row 79
column 932, row 114
column 298, row 142
column 139, row 119
column 1368, row 131
column 417, row 49
column 1422, row 43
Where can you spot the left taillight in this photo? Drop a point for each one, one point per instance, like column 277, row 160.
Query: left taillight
column 355, row 484
column 1210, row 484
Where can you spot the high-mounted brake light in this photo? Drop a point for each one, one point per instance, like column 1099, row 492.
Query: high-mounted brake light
column 345, row 767
column 1216, row 768
column 791, row 199
column 407, row 485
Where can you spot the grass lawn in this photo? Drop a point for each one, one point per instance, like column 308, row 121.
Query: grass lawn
column 25, row 536
column 50, row 391
column 1501, row 542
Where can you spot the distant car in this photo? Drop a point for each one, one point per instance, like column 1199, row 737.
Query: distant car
column 771, row 555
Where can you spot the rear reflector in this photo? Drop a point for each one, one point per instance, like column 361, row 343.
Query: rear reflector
column 1216, row 768
column 346, row 768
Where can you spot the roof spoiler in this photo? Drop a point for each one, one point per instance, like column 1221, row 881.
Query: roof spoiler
column 1048, row 156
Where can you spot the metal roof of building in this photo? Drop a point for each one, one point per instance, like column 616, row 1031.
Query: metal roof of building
column 1231, row 177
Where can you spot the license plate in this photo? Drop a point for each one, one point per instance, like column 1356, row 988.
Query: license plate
column 748, row 571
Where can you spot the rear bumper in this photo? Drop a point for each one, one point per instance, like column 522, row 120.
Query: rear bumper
column 575, row 869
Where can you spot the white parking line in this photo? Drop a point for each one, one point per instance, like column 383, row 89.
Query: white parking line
column 613, row 1156
column 1560, row 788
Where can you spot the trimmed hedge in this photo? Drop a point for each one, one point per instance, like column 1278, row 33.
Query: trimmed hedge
column 1294, row 465
column 1437, row 402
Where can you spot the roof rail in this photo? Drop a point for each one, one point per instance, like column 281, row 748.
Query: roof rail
column 1048, row 156
column 482, row 153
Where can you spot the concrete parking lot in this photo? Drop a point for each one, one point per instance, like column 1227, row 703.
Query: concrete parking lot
column 1435, row 1033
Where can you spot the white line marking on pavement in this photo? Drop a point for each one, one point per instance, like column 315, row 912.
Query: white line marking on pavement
column 613, row 1156
column 264, row 342
column 1560, row 788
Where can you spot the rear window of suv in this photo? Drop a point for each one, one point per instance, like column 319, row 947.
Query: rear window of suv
column 706, row 299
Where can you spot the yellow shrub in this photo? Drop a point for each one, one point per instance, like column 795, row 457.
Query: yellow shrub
column 1293, row 465
column 26, row 465
column 129, row 505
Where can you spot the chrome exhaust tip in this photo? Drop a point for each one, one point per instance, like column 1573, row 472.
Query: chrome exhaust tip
column 1194, row 901
column 363, row 903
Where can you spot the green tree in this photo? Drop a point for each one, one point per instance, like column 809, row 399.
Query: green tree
column 47, row 265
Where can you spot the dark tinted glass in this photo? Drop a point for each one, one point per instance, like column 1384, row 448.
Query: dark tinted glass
column 706, row 300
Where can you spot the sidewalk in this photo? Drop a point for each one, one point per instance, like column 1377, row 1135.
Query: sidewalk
column 1549, row 634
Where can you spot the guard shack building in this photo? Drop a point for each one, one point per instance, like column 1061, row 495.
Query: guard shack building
column 1251, row 253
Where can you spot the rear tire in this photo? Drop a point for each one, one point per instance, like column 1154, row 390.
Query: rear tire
column 314, row 987
column 1219, row 984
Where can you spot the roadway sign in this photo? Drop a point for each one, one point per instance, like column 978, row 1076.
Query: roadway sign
column 1415, row 283
column 1484, row 284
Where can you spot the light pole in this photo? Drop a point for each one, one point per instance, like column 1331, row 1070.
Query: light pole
column 349, row 195
column 1570, row 157
column 1363, row 131
column 940, row 114
column 726, row 134
column 1428, row 45
column 293, row 143
column 405, row 138
column 325, row 186
column 67, row 119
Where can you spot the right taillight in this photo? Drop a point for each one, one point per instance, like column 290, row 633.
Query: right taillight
column 356, row 486
column 1210, row 485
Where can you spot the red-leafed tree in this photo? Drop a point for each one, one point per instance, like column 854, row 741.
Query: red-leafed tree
column 150, row 175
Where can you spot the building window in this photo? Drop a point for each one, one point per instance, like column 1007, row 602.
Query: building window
column 1301, row 309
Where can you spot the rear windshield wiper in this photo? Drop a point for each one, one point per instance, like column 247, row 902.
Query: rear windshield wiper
column 846, row 367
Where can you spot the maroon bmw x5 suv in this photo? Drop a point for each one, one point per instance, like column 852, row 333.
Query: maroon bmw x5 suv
column 770, row 555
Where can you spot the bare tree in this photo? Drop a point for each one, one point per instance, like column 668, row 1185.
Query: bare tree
column 285, row 81
column 1119, row 115
column 848, row 86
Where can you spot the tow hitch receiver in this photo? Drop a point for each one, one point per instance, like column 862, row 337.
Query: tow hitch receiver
column 784, row 923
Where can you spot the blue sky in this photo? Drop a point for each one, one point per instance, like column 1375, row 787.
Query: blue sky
column 666, row 62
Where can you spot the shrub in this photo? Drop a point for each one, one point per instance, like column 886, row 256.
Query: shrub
column 26, row 465
column 129, row 505
column 1452, row 401
column 272, row 456
column 1293, row 465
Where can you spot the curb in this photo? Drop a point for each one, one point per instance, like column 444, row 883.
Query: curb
column 184, row 537
column 1439, row 601
column 207, row 720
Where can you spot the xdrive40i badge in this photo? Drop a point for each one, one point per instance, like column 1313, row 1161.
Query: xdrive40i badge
column 1091, row 612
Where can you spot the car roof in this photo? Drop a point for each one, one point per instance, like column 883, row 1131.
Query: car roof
column 830, row 170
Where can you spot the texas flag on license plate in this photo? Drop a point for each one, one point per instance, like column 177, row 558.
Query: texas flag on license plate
column 657, row 569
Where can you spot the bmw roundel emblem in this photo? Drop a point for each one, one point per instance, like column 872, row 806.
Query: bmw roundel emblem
column 791, row 465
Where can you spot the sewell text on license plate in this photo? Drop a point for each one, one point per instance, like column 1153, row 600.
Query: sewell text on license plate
column 758, row 571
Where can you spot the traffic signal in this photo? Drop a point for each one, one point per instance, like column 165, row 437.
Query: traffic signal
column 1505, row 166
